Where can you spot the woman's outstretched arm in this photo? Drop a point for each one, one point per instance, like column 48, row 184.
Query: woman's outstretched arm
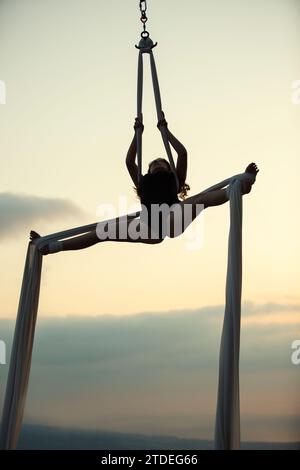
column 130, row 161
column 131, row 154
column 181, row 164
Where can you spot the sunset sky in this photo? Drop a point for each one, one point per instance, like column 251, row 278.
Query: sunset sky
column 226, row 71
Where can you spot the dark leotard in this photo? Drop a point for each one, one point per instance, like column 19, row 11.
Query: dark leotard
column 158, row 188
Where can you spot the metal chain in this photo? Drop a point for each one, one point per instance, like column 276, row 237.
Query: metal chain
column 144, row 18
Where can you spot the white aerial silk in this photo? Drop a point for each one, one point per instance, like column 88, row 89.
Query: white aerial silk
column 227, row 429
column 227, row 425
column 159, row 112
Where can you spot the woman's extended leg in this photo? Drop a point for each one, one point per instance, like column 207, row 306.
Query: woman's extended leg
column 186, row 211
column 201, row 201
column 117, row 231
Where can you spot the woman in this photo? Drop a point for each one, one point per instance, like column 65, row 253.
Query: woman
column 158, row 187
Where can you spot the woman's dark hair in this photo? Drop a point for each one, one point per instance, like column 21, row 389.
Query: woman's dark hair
column 183, row 187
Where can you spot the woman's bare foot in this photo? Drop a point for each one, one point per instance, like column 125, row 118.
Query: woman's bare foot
column 246, row 186
column 33, row 236
column 252, row 168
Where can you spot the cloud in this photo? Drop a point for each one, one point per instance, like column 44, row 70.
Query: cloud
column 181, row 339
column 268, row 308
column 17, row 211
column 272, row 308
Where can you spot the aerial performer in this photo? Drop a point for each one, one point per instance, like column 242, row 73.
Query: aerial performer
column 158, row 186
